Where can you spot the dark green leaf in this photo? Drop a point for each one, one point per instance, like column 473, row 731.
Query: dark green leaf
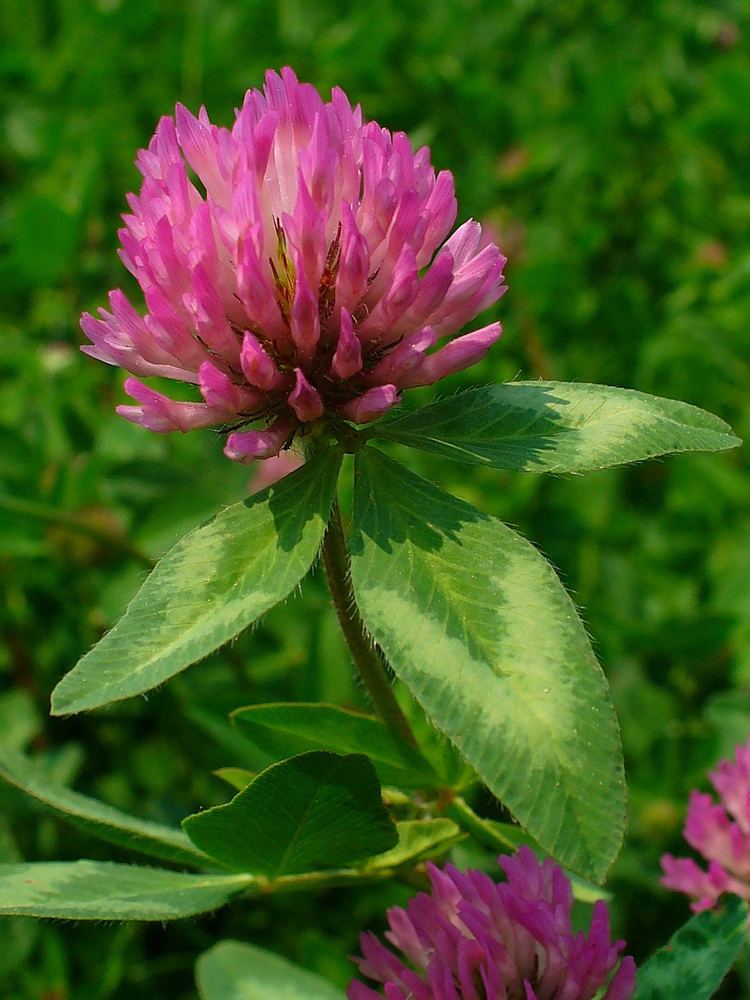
column 315, row 811
column 282, row 729
column 100, row 890
column 476, row 623
column 235, row 971
column 696, row 959
column 239, row 750
column 97, row 818
column 214, row 583
column 557, row 427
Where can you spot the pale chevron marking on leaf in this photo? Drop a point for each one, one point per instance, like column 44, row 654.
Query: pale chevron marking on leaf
column 215, row 582
column 477, row 625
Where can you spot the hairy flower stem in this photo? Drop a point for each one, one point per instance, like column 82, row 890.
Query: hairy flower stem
column 365, row 654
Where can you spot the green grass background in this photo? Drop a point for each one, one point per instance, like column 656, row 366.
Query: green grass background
column 608, row 143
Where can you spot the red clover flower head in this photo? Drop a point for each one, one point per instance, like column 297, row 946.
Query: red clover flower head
column 721, row 833
column 471, row 939
column 306, row 275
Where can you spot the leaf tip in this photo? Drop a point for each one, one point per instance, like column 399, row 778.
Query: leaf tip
column 60, row 704
column 66, row 700
column 735, row 441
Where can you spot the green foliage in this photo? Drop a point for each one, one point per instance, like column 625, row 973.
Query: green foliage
column 235, row 971
column 214, row 583
column 101, row 890
column 697, row 958
column 97, row 818
column 605, row 143
column 557, row 427
column 479, row 628
column 19, row 720
column 282, row 729
column 237, row 777
column 418, row 840
column 315, row 811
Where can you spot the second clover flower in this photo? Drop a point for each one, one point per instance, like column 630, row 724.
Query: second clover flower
column 721, row 833
column 306, row 276
column 471, row 939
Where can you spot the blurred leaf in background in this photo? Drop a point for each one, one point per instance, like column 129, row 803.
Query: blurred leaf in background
column 607, row 146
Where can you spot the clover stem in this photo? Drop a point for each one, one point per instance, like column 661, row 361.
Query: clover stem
column 366, row 655
column 492, row 837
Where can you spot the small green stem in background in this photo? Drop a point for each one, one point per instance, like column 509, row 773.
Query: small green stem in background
column 316, row 881
column 366, row 656
column 73, row 522
column 468, row 820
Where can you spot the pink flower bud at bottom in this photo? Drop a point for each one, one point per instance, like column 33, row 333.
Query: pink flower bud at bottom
column 720, row 832
column 470, row 938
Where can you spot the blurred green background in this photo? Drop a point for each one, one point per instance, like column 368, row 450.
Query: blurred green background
column 608, row 144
